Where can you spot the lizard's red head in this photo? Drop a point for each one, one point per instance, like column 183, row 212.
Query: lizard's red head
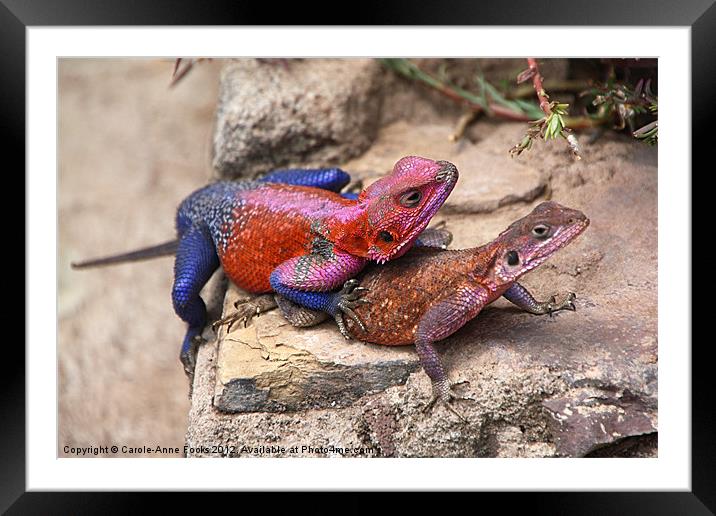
column 529, row 241
column 398, row 207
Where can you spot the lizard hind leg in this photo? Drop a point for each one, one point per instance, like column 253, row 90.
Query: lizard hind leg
column 297, row 315
column 195, row 262
column 245, row 310
column 333, row 179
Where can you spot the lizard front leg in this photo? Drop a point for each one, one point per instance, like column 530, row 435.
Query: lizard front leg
column 309, row 281
column 440, row 321
column 436, row 236
column 520, row 296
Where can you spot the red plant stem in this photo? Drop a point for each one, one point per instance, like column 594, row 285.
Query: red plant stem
column 539, row 89
column 503, row 112
column 500, row 111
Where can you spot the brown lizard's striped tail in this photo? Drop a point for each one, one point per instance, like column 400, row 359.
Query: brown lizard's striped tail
column 155, row 251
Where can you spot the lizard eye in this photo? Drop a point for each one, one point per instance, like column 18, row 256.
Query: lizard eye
column 540, row 231
column 513, row 258
column 410, row 199
column 385, row 236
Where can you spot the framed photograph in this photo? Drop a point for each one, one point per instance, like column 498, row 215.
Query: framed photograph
column 450, row 253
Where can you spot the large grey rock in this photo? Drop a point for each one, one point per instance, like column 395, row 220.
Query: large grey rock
column 303, row 112
column 487, row 180
column 576, row 384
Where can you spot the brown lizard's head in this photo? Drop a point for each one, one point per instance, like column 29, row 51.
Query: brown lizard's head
column 528, row 242
column 398, row 207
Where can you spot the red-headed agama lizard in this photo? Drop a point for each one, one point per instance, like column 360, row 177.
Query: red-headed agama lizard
column 429, row 294
column 291, row 232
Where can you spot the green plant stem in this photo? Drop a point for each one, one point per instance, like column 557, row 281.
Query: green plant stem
column 472, row 101
column 479, row 103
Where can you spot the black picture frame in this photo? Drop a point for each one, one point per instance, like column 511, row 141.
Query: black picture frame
column 17, row 15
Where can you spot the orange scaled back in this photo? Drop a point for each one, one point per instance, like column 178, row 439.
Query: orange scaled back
column 270, row 225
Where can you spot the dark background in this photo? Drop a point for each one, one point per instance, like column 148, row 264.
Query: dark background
column 700, row 15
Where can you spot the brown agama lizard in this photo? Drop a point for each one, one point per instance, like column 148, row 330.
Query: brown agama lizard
column 429, row 294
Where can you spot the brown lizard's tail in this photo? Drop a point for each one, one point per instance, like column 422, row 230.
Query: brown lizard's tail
column 154, row 251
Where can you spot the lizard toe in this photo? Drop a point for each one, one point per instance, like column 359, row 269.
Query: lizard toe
column 246, row 309
column 342, row 325
column 570, row 302
column 348, row 310
column 349, row 285
column 444, row 395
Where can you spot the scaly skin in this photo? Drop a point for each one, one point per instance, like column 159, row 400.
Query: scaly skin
column 429, row 294
column 292, row 233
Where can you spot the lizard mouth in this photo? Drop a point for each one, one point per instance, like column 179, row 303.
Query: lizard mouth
column 382, row 257
column 560, row 240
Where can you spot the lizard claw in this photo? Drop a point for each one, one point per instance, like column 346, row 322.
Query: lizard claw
column 246, row 309
column 443, row 393
column 349, row 286
column 243, row 314
column 355, row 294
column 551, row 305
column 348, row 299
column 567, row 304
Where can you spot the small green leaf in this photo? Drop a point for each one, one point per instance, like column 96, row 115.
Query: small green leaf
column 554, row 126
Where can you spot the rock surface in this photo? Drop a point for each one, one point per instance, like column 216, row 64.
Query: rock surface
column 575, row 384
column 269, row 366
column 488, row 179
column 300, row 112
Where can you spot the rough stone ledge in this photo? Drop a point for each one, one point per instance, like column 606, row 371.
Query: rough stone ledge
column 576, row 384
column 271, row 367
column 588, row 419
